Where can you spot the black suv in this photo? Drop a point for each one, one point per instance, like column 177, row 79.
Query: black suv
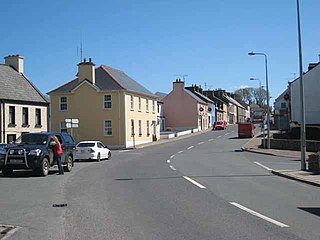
column 32, row 151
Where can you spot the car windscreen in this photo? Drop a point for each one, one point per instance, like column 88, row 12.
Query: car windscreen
column 220, row 123
column 33, row 139
column 86, row 145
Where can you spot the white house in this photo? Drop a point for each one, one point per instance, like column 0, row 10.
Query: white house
column 281, row 110
column 311, row 81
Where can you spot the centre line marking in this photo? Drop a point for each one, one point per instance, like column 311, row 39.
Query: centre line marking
column 211, row 139
column 172, row 156
column 180, row 152
column 280, row 224
column 265, row 167
column 190, row 147
column 219, row 137
column 172, row 168
column 168, row 161
column 194, row 182
column 200, row 143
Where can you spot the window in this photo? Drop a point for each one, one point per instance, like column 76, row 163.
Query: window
column 38, row 117
column 147, row 105
column 63, row 127
column 25, row 116
column 148, row 128
column 153, row 106
column 63, row 103
column 68, row 139
column 107, row 102
column 12, row 115
column 140, row 104
column 158, row 108
column 131, row 102
column 283, row 105
column 132, row 127
column 11, row 138
column 108, row 128
column 140, row 129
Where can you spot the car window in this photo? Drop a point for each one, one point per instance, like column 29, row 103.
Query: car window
column 100, row 145
column 60, row 139
column 86, row 145
column 68, row 138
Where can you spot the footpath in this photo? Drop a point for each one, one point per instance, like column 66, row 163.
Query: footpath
column 303, row 176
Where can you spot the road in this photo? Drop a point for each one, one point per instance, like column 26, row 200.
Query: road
column 201, row 187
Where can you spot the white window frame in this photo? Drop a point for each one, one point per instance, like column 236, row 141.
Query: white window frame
column 105, row 133
column 153, row 106
column 132, row 102
column 148, row 128
column 140, row 128
column 60, row 103
column 63, row 127
column 147, row 105
column 139, row 104
column 106, row 101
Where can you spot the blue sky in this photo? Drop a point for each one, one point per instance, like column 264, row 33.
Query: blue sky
column 153, row 41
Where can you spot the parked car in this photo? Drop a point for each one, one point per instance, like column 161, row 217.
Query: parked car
column 32, row 151
column 3, row 151
column 246, row 130
column 92, row 150
column 220, row 125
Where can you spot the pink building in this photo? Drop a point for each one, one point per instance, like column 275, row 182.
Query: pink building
column 184, row 110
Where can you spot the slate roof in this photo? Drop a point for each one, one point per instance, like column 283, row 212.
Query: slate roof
column 108, row 78
column 16, row 86
column 161, row 95
column 235, row 102
column 194, row 96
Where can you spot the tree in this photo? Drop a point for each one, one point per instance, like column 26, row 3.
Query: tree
column 253, row 95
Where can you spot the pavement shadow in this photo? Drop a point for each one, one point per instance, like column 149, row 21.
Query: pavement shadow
column 28, row 174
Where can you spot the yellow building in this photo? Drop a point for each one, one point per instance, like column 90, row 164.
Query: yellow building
column 111, row 107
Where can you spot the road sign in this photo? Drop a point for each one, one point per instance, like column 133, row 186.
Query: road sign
column 72, row 122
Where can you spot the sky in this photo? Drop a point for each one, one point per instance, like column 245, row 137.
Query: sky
column 155, row 41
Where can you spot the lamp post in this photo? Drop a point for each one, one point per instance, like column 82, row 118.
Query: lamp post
column 267, row 86
column 302, row 106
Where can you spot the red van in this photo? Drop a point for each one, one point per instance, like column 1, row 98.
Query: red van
column 246, row 130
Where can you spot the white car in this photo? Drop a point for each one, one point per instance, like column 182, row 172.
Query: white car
column 92, row 150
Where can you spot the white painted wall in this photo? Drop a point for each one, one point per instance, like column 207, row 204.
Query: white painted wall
column 312, row 97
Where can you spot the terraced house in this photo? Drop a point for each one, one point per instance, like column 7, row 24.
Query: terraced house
column 111, row 107
column 23, row 108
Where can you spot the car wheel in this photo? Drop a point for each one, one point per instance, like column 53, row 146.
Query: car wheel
column 98, row 157
column 7, row 172
column 109, row 155
column 44, row 169
column 69, row 165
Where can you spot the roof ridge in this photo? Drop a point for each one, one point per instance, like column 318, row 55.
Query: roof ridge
column 35, row 88
column 61, row 86
column 113, row 68
column 104, row 67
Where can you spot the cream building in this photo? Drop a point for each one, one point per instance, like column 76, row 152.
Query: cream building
column 111, row 107
column 23, row 108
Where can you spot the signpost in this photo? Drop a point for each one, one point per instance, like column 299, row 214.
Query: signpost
column 71, row 123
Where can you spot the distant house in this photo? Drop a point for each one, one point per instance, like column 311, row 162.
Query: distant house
column 237, row 112
column 184, row 110
column 160, row 114
column 220, row 104
column 197, row 90
column 311, row 81
column 23, row 108
column 111, row 107
column 281, row 110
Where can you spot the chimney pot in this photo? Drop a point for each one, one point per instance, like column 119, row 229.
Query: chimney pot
column 90, row 59
column 84, row 60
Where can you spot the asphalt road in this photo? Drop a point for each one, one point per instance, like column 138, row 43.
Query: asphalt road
column 201, row 187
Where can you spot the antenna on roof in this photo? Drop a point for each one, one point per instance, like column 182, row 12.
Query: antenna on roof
column 183, row 76
column 81, row 47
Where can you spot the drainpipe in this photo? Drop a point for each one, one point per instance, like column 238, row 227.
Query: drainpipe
column 2, row 119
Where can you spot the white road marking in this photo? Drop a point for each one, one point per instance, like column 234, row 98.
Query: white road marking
column 168, row 161
column 219, row 137
column 11, row 232
column 172, row 168
column 211, row 139
column 122, row 151
column 200, row 143
column 227, row 134
column 190, row 147
column 194, row 182
column 180, row 152
column 265, row 167
column 172, row 156
column 280, row 224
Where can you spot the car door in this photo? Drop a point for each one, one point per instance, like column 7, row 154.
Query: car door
column 69, row 145
column 102, row 150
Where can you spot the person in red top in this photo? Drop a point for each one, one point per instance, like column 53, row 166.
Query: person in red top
column 57, row 152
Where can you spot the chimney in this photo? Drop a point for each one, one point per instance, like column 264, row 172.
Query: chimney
column 86, row 70
column 312, row 65
column 15, row 61
column 178, row 85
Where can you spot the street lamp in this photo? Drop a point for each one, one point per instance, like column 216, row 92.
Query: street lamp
column 267, row 86
column 303, row 117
